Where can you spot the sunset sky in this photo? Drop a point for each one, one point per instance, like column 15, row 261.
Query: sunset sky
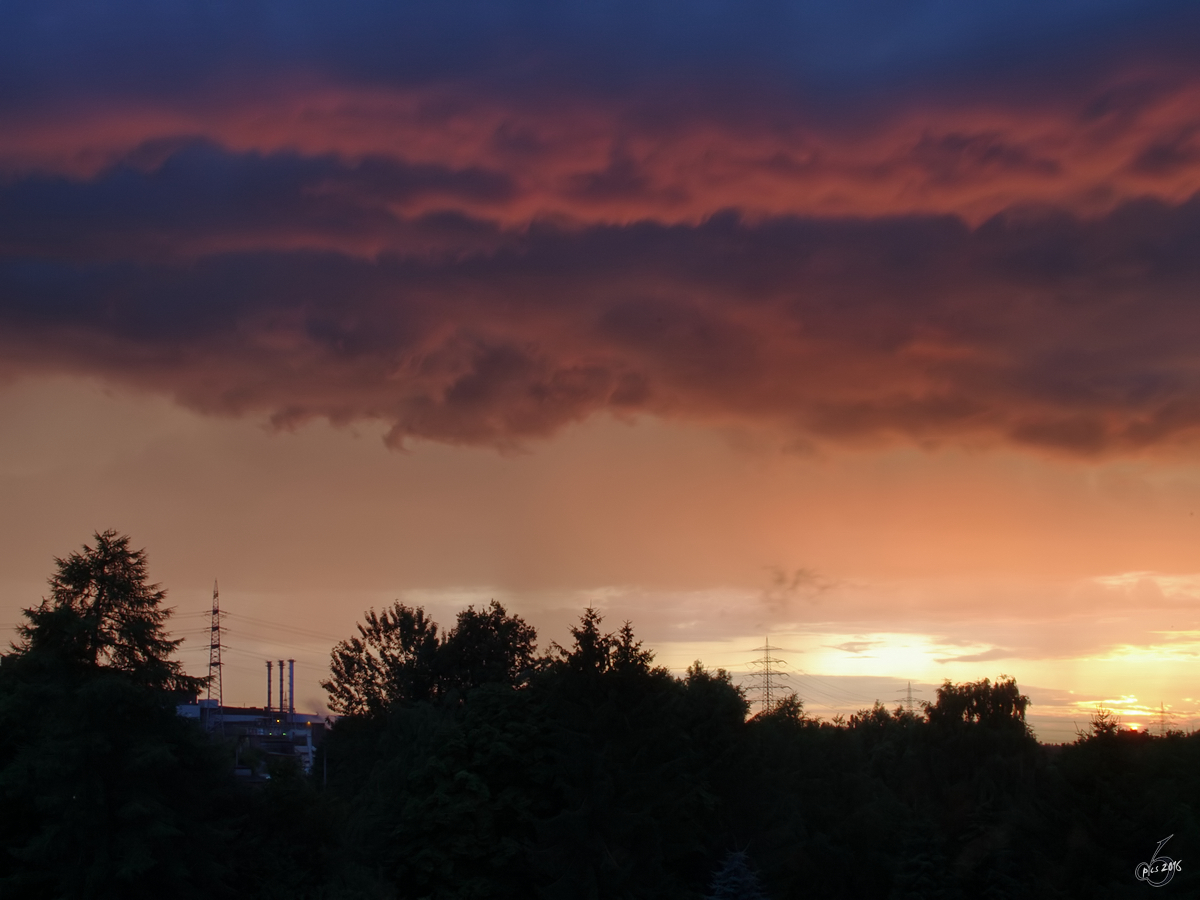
column 871, row 327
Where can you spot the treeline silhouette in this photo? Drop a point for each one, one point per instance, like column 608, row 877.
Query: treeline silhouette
column 466, row 764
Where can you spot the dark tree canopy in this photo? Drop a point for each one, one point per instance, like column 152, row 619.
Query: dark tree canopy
column 488, row 646
column 101, row 612
column 399, row 657
column 599, row 777
column 597, row 652
column 999, row 705
column 394, row 658
column 470, row 767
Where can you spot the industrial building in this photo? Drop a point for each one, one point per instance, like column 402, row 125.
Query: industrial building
column 274, row 732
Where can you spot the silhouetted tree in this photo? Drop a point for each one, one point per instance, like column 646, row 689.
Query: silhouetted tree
column 790, row 709
column 102, row 613
column 626, row 653
column 596, row 652
column 999, row 705
column 1104, row 722
column 602, row 776
column 394, row 658
column 487, row 646
column 599, row 777
column 592, row 651
column 736, row 880
column 105, row 791
column 398, row 657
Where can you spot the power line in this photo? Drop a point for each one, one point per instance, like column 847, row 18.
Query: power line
column 257, row 654
column 833, row 689
column 271, row 642
column 834, row 702
column 281, row 626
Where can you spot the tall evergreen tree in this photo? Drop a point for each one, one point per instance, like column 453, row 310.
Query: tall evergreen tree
column 101, row 613
column 105, row 791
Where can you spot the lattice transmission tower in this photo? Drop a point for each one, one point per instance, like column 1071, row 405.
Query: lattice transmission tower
column 214, row 658
column 770, row 675
column 1166, row 721
column 911, row 698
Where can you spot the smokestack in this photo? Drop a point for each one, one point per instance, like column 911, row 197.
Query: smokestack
column 282, row 699
column 291, row 687
column 270, row 665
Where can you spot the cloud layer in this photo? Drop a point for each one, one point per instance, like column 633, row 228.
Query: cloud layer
column 944, row 227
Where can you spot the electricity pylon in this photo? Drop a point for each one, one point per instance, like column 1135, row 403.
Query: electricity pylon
column 214, row 659
column 909, row 703
column 768, row 669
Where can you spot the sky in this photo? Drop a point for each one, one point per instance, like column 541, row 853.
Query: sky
column 868, row 329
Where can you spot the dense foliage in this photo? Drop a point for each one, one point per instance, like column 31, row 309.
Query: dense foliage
column 398, row 657
column 469, row 766
column 598, row 775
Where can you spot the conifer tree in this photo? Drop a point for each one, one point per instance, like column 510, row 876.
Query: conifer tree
column 736, row 880
column 106, row 792
column 102, row 613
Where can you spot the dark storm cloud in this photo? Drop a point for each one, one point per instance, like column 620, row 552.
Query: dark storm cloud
column 182, row 198
column 1042, row 329
column 478, row 222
